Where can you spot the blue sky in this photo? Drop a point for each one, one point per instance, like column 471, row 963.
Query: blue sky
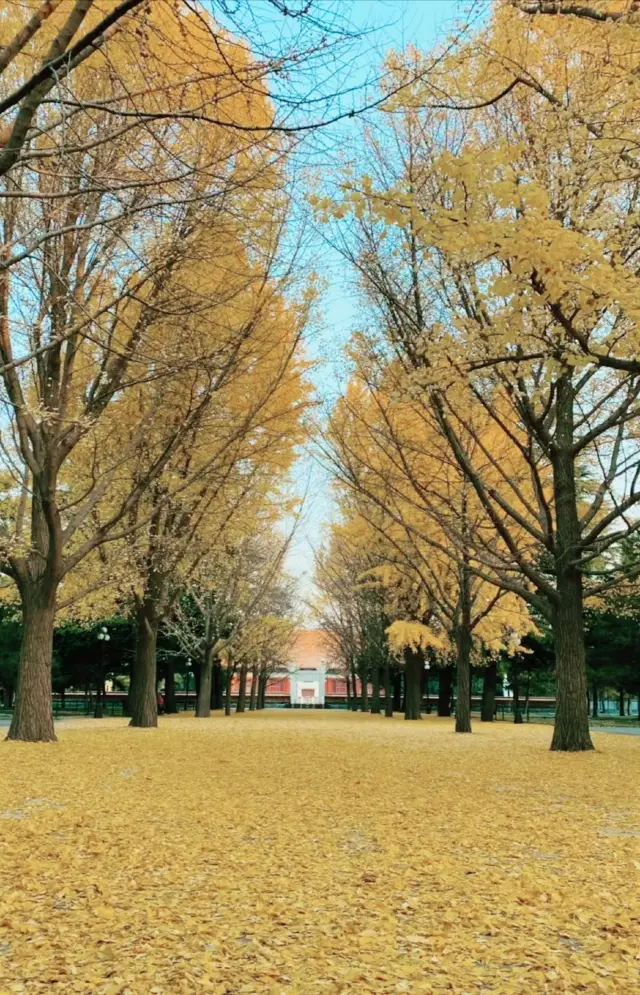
column 398, row 23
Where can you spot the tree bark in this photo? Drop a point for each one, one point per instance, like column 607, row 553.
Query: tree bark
column 413, row 667
column 253, row 697
column 32, row 720
column 364, row 692
column 242, row 689
column 489, row 683
column 463, row 647
column 203, row 703
column 170, row 705
column 217, row 686
column 388, row 690
column 594, row 703
column 229, row 671
column 143, row 701
column 463, row 664
column 621, row 703
column 375, row 696
column 262, row 688
column 571, row 728
column 397, row 691
column 354, row 688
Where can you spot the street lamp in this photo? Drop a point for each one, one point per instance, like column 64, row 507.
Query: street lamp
column 427, row 667
column 186, row 693
column 104, row 638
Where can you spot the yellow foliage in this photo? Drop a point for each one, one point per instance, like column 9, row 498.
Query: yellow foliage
column 402, row 633
column 406, row 503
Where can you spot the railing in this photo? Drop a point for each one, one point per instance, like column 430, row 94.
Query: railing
column 79, row 703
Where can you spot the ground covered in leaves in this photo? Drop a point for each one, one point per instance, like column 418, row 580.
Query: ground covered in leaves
column 317, row 852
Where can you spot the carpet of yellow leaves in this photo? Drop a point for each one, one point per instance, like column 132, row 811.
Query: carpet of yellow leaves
column 318, row 852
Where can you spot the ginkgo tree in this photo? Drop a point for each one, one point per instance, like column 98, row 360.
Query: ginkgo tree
column 498, row 248
column 351, row 610
column 212, row 489
column 134, row 319
column 237, row 611
column 387, row 451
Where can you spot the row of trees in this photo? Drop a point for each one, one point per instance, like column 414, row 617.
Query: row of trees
column 487, row 444
column 151, row 321
column 152, row 298
column 389, row 666
column 152, row 307
column 88, row 655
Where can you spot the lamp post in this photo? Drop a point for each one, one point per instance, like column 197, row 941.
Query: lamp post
column 104, row 638
column 186, row 692
column 427, row 667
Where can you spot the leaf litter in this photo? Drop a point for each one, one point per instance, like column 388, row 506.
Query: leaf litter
column 290, row 854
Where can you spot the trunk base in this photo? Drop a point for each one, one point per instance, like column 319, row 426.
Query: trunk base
column 32, row 720
column 143, row 694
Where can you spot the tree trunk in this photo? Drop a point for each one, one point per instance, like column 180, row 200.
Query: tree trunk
column 203, row 703
column 242, row 689
column 253, row 698
column 489, row 683
column 445, row 683
column 32, row 720
column 364, row 692
column 594, row 703
column 571, row 728
column 142, row 695
column 262, row 688
column 170, row 706
column 463, row 665
column 413, row 667
column 354, row 687
column 621, row 703
column 463, row 647
column 348, row 683
column 397, row 691
column 229, row 671
column 527, row 695
column 375, row 696
column 388, row 690
column 217, row 686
